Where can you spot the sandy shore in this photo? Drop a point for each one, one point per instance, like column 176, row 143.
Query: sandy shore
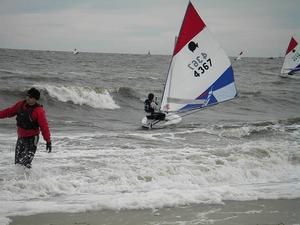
column 260, row 212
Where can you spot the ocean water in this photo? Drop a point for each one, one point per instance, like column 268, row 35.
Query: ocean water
column 245, row 149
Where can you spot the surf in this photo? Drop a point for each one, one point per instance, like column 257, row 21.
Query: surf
column 93, row 97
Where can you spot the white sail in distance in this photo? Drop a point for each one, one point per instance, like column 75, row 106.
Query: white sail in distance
column 291, row 64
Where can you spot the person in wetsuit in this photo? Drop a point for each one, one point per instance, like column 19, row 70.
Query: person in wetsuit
column 151, row 109
column 31, row 119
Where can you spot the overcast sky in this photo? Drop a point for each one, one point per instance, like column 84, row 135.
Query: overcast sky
column 259, row 27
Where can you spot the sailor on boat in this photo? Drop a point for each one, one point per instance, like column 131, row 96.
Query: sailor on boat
column 152, row 110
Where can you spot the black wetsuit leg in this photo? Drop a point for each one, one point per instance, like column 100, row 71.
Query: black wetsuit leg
column 159, row 115
column 25, row 150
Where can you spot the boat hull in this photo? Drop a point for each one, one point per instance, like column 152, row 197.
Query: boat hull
column 293, row 75
column 171, row 119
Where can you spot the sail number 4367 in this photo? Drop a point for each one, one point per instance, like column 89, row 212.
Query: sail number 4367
column 200, row 64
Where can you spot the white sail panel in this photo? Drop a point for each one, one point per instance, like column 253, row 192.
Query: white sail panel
column 225, row 93
column 193, row 70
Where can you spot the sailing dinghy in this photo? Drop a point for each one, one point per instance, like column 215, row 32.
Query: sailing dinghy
column 75, row 51
column 291, row 64
column 239, row 57
column 200, row 73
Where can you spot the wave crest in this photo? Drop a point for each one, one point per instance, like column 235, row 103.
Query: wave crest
column 258, row 128
column 94, row 97
column 127, row 92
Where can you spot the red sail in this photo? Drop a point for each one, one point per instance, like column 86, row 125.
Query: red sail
column 292, row 45
column 192, row 24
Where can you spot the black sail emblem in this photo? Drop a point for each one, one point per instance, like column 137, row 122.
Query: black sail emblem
column 192, row 46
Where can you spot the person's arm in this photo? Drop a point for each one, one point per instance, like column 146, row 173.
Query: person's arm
column 43, row 123
column 154, row 106
column 11, row 111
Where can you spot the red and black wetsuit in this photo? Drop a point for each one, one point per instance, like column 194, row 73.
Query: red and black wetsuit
column 31, row 119
column 151, row 114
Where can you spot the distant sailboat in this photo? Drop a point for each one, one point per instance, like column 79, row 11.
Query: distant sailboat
column 200, row 74
column 291, row 64
column 149, row 53
column 239, row 57
column 75, row 51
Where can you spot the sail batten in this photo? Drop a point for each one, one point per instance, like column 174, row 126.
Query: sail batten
column 185, row 101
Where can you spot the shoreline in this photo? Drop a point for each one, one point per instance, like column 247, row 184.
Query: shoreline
column 259, row 212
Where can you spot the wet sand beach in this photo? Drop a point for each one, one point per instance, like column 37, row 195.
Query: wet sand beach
column 261, row 212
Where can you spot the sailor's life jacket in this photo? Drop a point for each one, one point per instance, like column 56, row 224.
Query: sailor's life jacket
column 24, row 117
column 147, row 106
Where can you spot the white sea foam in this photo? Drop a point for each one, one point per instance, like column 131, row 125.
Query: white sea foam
column 4, row 220
column 79, row 175
column 82, row 95
column 244, row 130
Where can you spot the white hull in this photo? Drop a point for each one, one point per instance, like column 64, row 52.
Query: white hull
column 171, row 119
column 286, row 75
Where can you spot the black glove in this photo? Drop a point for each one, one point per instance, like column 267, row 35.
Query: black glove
column 48, row 146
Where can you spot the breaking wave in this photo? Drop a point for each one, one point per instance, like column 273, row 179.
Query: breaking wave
column 127, row 92
column 262, row 128
column 94, row 97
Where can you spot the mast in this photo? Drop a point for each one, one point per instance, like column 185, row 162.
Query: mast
column 174, row 52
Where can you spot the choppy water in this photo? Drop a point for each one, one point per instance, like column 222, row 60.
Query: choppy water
column 242, row 150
